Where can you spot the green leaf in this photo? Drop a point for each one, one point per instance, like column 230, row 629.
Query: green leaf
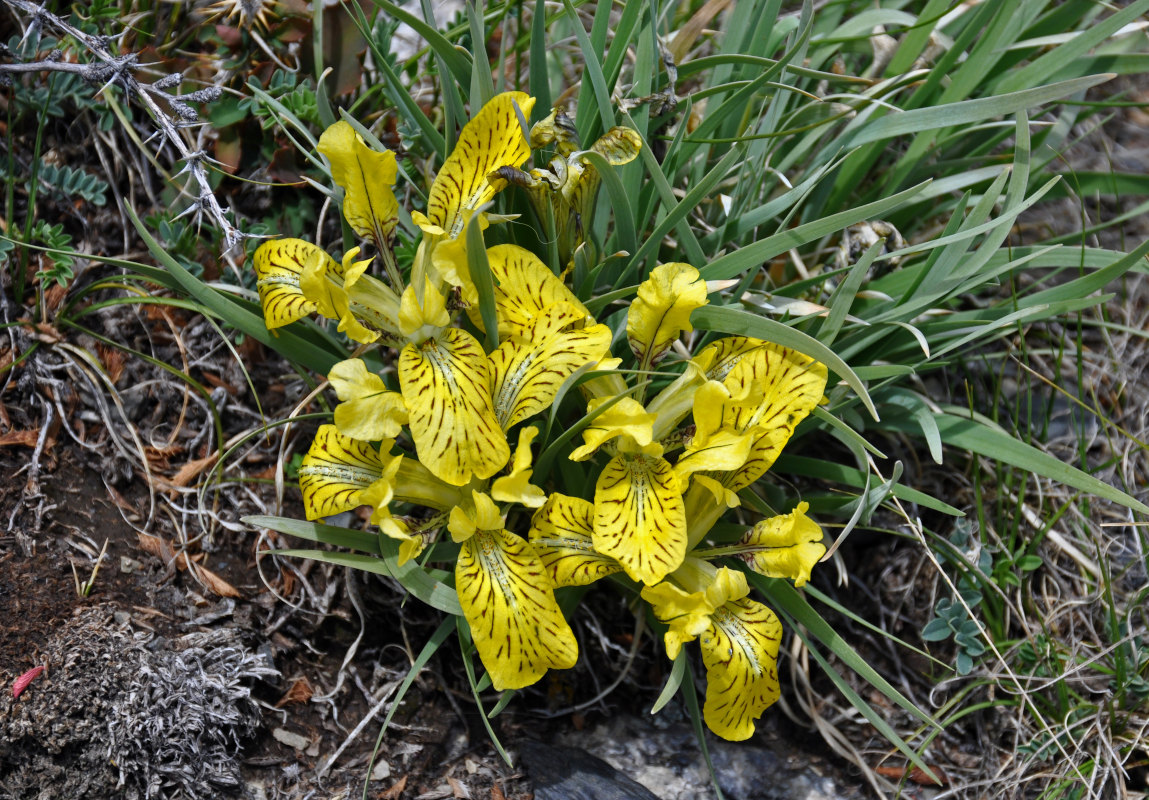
column 992, row 442
column 785, row 597
column 678, row 211
column 430, row 587
column 592, row 69
column 414, row 579
column 482, row 82
column 672, row 683
column 619, row 200
column 1082, row 42
column 842, row 299
column 539, row 79
column 754, row 255
column 851, row 476
column 966, row 112
column 484, row 281
column 454, row 58
column 467, row 646
column 936, row 630
column 429, row 649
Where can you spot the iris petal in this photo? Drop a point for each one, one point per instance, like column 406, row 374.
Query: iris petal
column 493, row 139
column 279, row 266
column 740, row 651
column 446, row 386
column 639, row 517
column 562, row 532
column 528, row 370
column 509, row 603
column 335, row 472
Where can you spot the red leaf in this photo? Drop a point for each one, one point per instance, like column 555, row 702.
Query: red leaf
column 22, row 682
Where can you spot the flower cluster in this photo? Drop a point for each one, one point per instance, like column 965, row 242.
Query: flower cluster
column 429, row 448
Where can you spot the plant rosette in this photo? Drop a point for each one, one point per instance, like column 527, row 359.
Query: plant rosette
column 431, row 454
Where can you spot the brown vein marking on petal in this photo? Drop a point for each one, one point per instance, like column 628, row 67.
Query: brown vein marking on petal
column 278, row 267
column 562, row 532
column 334, row 471
column 491, row 140
column 528, row 371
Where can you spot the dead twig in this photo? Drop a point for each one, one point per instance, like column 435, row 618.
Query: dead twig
column 111, row 69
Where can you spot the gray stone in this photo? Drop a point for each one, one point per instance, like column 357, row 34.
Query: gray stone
column 569, row 773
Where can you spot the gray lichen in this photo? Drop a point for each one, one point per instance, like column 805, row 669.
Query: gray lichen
column 125, row 714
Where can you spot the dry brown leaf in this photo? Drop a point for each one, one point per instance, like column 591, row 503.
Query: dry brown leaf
column 122, row 503
column 46, row 333
column 54, row 296
column 217, row 584
column 192, row 470
column 460, row 791
column 160, row 457
column 267, row 474
column 113, row 360
column 161, row 549
column 218, row 382
column 395, row 791
column 688, row 34
column 497, row 793
column 26, row 438
column 300, row 692
column 914, row 775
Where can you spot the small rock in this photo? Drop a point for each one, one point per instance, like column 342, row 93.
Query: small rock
column 129, row 565
column 568, row 773
column 293, row 740
column 381, row 771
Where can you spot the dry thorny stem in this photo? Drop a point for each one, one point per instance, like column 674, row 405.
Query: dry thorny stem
column 112, row 69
